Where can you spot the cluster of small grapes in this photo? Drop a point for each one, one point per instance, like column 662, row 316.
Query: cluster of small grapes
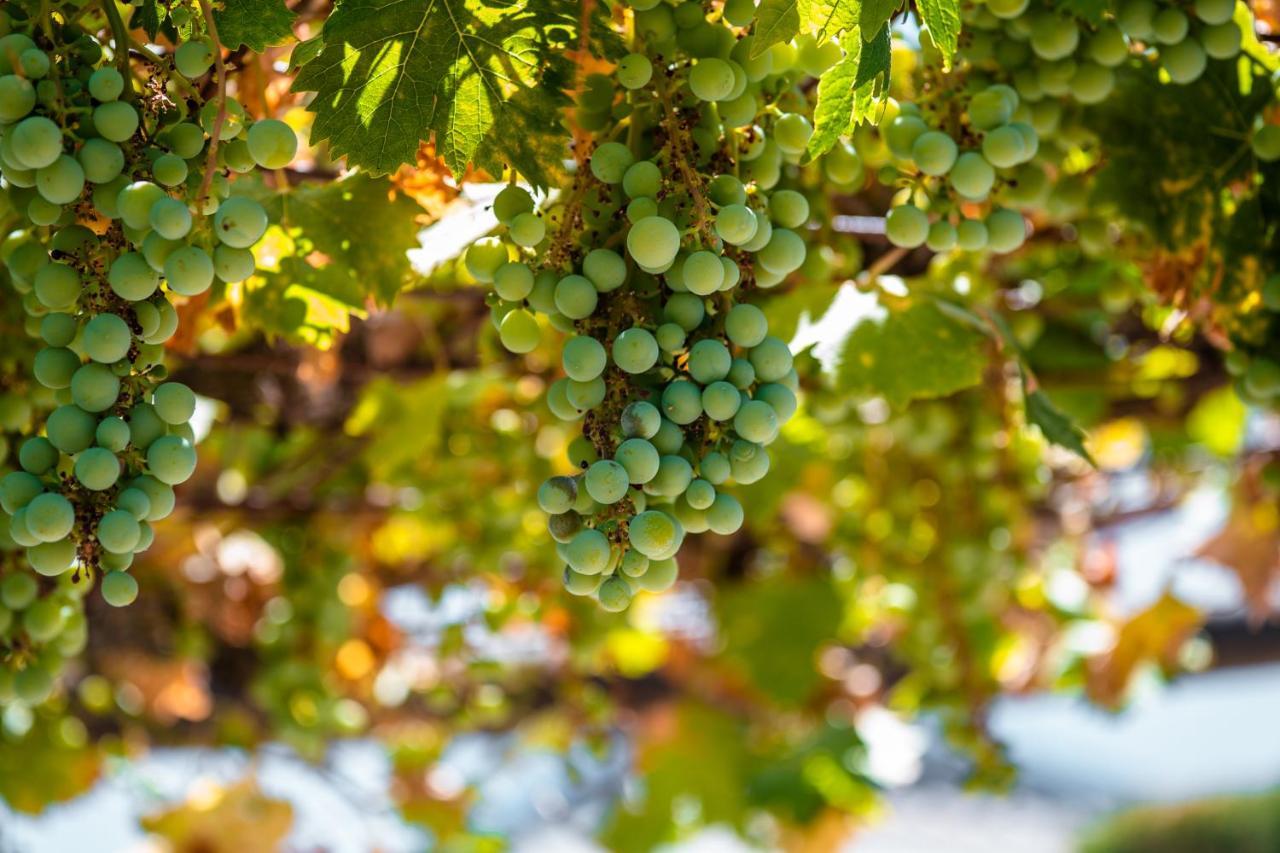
column 115, row 205
column 49, row 622
column 672, row 224
column 948, row 178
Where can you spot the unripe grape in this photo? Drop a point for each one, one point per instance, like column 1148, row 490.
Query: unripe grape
column 272, row 143
column 635, row 350
column 194, row 58
column 1184, row 62
column 634, row 71
column 519, row 331
column 609, row 162
column 934, row 152
column 972, row 176
column 791, row 132
column 653, row 242
column 711, row 79
column 906, row 226
column 119, row 589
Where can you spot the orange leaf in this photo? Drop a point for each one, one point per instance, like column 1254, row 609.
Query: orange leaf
column 1153, row 635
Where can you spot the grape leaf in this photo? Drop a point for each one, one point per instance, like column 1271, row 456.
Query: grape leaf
column 1057, row 427
column 827, row 18
column 147, row 18
column 875, row 14
column 257, row 24
column 776, row 21
column 910, row 349
column 486, row 79
column 847, row 89
column 942, row 17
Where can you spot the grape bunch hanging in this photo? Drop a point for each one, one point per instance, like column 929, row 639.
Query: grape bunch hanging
column 678, row 216
column 117, row 202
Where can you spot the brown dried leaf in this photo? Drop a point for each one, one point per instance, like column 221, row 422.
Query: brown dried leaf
column 1152, row 635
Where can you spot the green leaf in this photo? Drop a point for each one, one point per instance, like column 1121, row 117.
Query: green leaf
column 828, row 18
column 484, row 79
column 875, row 14
column 910, row 349
column 776, row 21
column 942, row 17
column 1057, row 427
column 813, row 775
column 305, row 51
column 768, row 644
column 147, row 18
column 257, row 24
column 847, row 90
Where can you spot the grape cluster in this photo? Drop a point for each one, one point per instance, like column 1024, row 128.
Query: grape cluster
column 675, row 220
column 951, row 161
column 114, row 208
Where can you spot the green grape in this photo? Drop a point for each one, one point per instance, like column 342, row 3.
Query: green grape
column 170, row 219
column 641, row 208
column 709, row 360
column 1169, row 26
column 941, row 237
column 119, row 589
column 741, row 374
column 1054, row 36
column 748, row 462
column 160, row 496
column 639, row 458
column 725, row 515
column 576, row 297
column 134, row 203
column 989, row 109
column 1214, row 11
column 564, row 526
column 37, row 455
column 1108, row 47
column 36, row 142
column 171, row 459
column 702, row 272
column 633, row 564
column 61, row 182
column 173, row 402
column 100, row 160
column 194, row 58
column 653, row 242
column 557, row 495
column 50, row 517
column 585, row 395
column 609, row 162
column 106, row 338
column 97, row 469
column 670, row 337
column 606, row 481
column 673, row 476
column 791, row 132
column 57, row 329
column 764, row 231
column 240, row 222
column 901, row 134
column 659, row 576
column 232, row 265
column 584, row 358
column 527, row 229
column 746, row 325
column 735, row 224
column 112, row 433
column 118, row 531
column 934, row 152
column 668, row 439
column 780, row 398
column 18, row 591
column 513, row 281
column 756, row 421
column 512, row 201
column 54, row 366
column 642, row 178
column 272, row 143
column 971, row 235
column 614, row 594
column 1004, row 147
column 635, row 350
column 1265, row 143
column 115, row 120
column 640, row 420
column 588, row 553
column 605, row 269
column 784, row 253
column 653, row 534
column 720, row 400
column 70, row 429
column 17, row 98
column 711, row 79
column 519, row 331
column 106, row 84
column 1184, row 62
column 57, row 285
column 771, row 359
column 94, row 387
column 1006, row 230
column 1222, row 41
column 33, row 685
column 18, row 489
column 682, row 401
column 189, row 270
column 906, row 226
column 579, row 584
column 972, row 176
column 52, row 558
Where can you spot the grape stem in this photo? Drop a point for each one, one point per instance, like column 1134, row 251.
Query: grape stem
column 150, row 56
column 677, row 145
column 120, row 35
column 220, row 119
